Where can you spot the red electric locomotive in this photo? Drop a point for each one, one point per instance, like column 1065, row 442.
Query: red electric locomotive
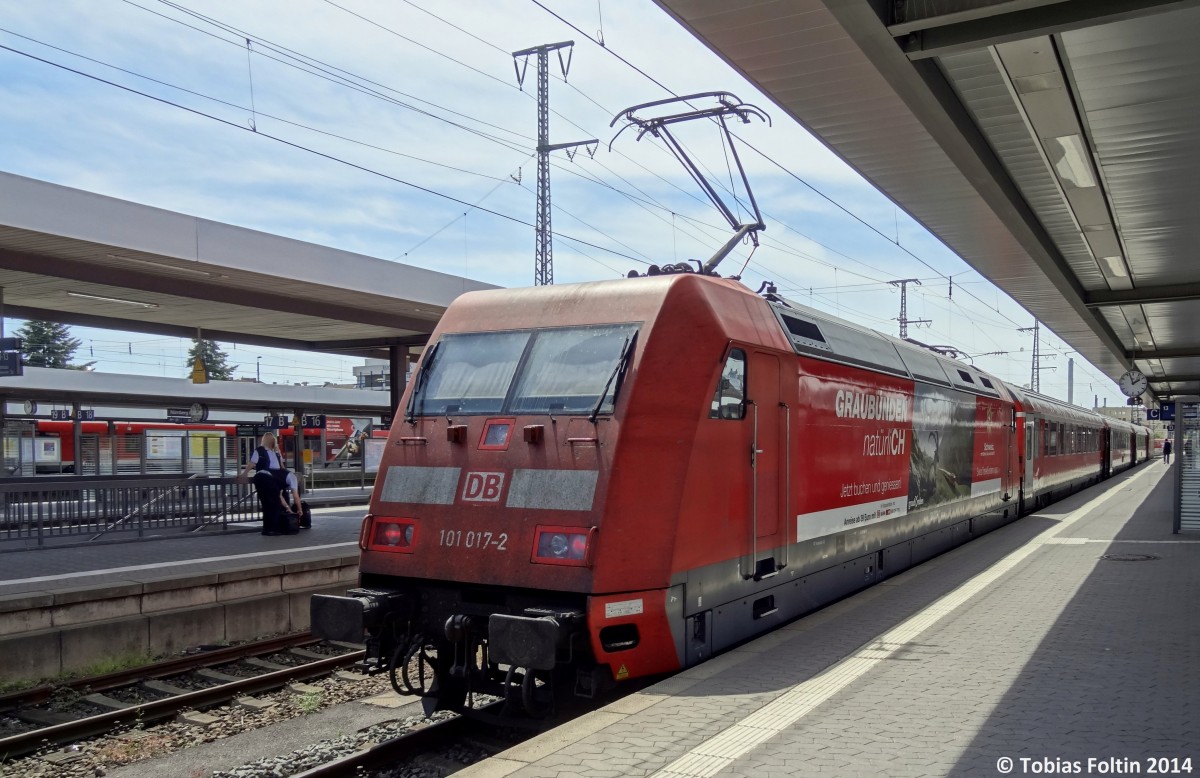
column 601, row 481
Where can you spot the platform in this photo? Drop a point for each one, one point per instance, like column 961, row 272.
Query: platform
column 65, row 608
column 1014, row 654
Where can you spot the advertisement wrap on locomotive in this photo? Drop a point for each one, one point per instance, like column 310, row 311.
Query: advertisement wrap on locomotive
column 596, row 482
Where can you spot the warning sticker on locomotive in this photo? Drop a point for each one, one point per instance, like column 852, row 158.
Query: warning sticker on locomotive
column 614, row 610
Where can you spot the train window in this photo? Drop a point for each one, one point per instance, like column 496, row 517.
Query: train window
column 965, row 376
column 729, row 401
column 553, row 371
column 569, row 369
column 804, row 330
column 986, row 382
column 470, row 373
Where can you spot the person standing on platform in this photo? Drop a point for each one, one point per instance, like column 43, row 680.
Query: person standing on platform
column 266, row 457
column 269, row 475
column 1167, row 452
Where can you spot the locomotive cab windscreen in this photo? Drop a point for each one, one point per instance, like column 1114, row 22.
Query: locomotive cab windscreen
column 570, row 370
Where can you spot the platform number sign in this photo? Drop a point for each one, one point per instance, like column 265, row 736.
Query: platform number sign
column 10, row 364
column 60, row 414
column 316, row 421
column 10, row 357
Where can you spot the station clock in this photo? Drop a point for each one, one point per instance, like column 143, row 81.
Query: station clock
column 1133, row 383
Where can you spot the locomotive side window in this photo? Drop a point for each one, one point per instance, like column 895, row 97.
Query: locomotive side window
column 729, row 401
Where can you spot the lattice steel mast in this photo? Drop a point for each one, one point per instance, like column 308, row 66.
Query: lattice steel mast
column 904, row 320
column 543, row 268
column 1034, row 382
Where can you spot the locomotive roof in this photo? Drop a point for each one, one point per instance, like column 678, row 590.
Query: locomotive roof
column 809, row 332
column 817, row 334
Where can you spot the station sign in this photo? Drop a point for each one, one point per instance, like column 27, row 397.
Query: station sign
column 11, row 344
column 10, row 363
column 277, row 421
column 60, row 414
column 315, row 421
column 1165, row 413
column 88, row 415
column 249, row 430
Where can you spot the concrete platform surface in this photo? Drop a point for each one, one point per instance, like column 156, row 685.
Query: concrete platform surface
column 334, row 534
column 1023, row 652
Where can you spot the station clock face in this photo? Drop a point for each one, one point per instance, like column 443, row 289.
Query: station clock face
column 1133, row 383
column 197, row 413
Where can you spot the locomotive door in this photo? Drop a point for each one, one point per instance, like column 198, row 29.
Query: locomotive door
column 1031, row 443
column 1106, row 452
column 767, row 417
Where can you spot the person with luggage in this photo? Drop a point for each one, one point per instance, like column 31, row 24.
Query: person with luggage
column 299, row 506
column 269, row 481
column 289, row 498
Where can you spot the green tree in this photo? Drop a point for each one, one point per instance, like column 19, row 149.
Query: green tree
column 213, row 357
column 47, row 344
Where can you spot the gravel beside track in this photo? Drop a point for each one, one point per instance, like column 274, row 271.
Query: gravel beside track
column 172, row 749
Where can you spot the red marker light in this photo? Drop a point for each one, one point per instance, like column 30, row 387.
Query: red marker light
column 392, row 535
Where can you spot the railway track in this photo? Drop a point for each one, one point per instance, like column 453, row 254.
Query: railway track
column 420, row 745
column 95, row 706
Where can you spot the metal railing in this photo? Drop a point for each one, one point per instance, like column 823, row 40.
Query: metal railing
column 90, row 507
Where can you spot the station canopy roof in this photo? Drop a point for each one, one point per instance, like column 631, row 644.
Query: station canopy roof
column 80, row 258
column 1053, row 144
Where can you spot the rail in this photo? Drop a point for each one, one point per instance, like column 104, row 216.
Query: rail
column 41, row 511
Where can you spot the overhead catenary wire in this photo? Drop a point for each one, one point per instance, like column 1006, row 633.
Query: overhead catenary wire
column 306, row 149
column 667, row 210
column 325, row 68
column 763, row 154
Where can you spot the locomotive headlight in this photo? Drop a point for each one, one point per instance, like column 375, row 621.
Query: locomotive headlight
column 559, row 546
column 387, row 534
column 563, row 545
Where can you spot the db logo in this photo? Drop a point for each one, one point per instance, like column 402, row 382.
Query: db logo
column 483, row 487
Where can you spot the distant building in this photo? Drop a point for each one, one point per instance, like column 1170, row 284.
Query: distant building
column 1136, row 414
column 373, row 375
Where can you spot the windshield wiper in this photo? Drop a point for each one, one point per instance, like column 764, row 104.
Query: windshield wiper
column 619, row 368
column 419, row 384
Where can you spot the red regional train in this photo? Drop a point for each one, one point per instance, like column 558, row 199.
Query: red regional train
column 338, row 431
column 595, row 482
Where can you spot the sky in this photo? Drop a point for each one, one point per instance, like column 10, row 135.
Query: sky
column 398, row 130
